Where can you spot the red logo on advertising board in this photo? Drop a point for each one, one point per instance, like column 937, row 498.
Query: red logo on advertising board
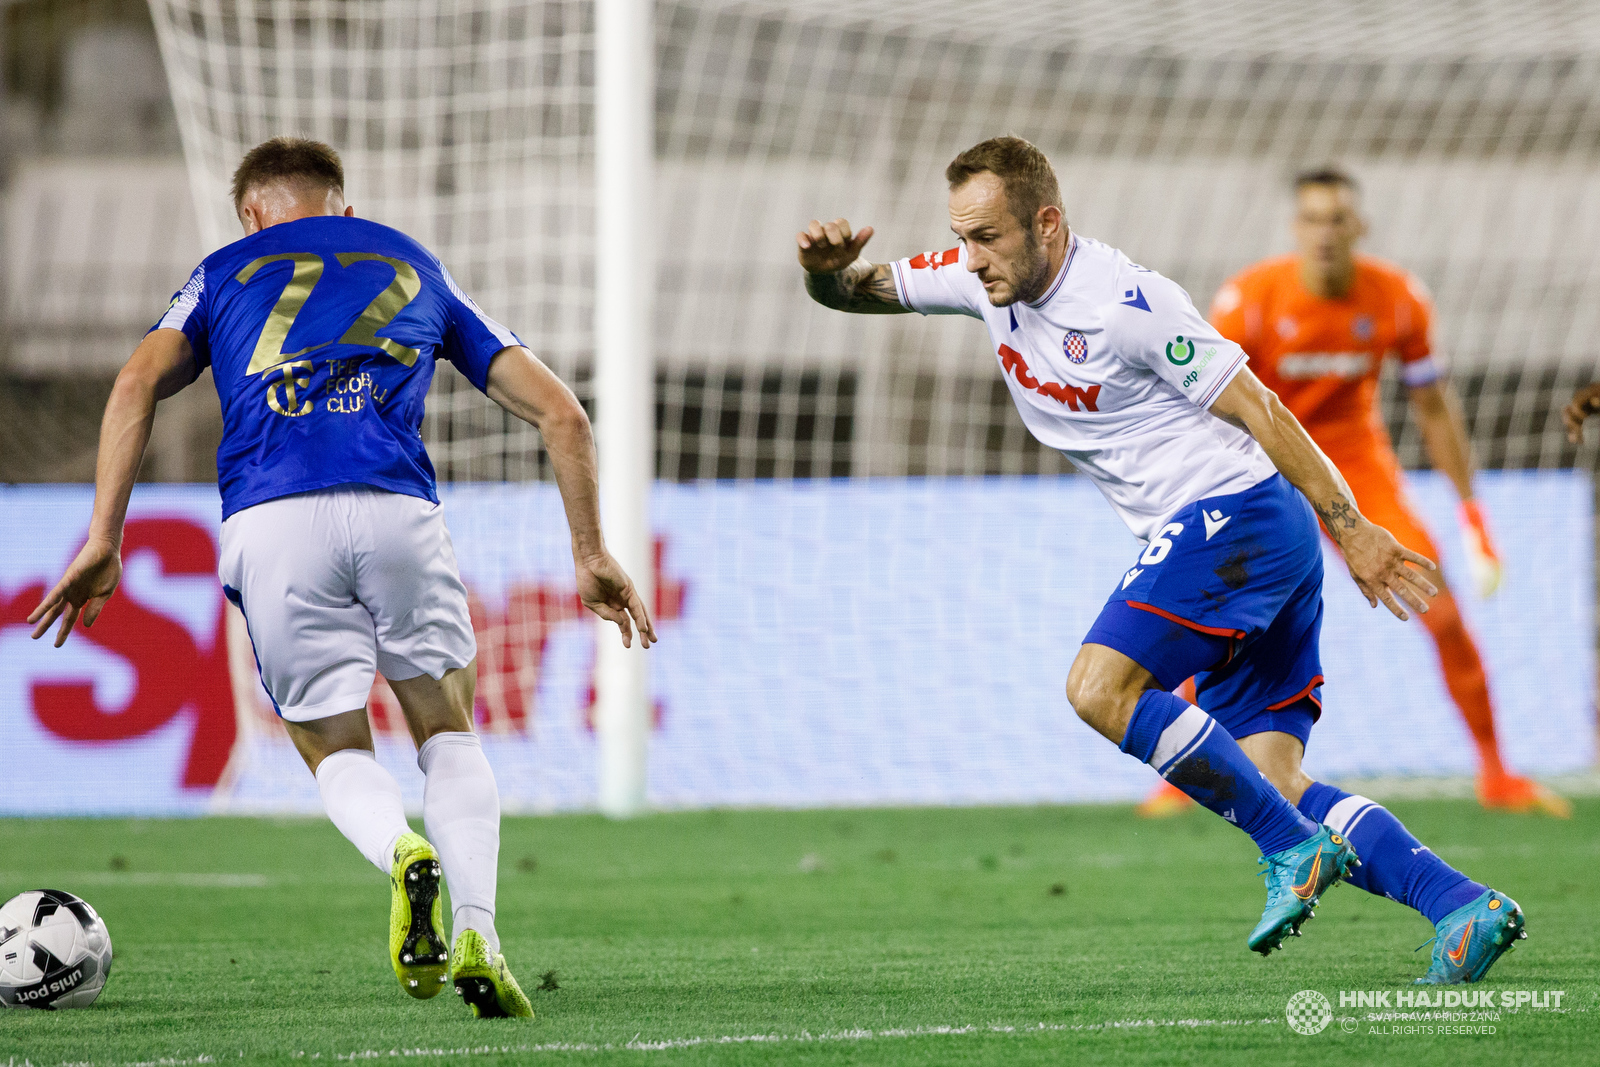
column 512, row 642
column 172, row 673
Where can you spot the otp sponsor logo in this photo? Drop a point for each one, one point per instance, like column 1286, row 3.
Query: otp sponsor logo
column 1078, row 398
column 935, row 260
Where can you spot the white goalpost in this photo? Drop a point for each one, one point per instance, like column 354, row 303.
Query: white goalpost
column 624, row 374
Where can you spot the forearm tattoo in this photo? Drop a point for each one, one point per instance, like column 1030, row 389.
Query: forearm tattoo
column 1338, row 515
column 862, row 287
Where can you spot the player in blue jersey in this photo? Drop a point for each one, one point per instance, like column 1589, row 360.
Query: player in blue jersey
column 321, row 331
column 1110, row 363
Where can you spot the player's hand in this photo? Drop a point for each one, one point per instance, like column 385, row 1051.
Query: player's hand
column 1585, row 402
column 1482, row 559
column 1379, row 565
column 830, row 247
column 84, row 589
column 606, row 590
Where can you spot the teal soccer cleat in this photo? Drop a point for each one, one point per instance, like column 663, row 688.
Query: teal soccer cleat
column 1468, row 940
column 1296, row 879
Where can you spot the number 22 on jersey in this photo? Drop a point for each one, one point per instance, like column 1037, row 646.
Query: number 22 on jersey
column 308, row 268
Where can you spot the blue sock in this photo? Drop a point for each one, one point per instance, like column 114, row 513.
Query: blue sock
column 1189, row 749
column 1394, row 864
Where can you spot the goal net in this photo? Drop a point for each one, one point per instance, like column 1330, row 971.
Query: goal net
column 1175, row 127
column 1475, row 132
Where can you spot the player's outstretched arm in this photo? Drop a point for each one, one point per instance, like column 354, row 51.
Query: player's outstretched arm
column 837, row 276
column 161, row 365
column 524, row 386
column 1378, row 562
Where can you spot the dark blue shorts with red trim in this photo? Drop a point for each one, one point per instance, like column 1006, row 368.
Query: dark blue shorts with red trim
column 1229, row 592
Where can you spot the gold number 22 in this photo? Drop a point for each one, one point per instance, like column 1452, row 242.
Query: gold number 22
column 384, row 307
column 308, row 268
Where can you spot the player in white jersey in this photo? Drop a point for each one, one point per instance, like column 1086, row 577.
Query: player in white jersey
column 1111, row 364
column 334, row 544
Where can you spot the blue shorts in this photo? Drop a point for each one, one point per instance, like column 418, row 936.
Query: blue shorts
column 1229, row 592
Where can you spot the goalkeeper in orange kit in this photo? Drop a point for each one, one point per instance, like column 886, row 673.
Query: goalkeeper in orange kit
column 1317, row 326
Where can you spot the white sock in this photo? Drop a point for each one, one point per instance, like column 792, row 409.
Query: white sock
column 461, row 809
column 363, row 800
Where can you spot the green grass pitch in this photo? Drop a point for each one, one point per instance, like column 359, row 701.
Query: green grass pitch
column 925, row 936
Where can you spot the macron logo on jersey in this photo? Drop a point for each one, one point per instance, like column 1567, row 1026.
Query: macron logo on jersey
column 1075, row 397
column 935, row 260
column 1134, row 298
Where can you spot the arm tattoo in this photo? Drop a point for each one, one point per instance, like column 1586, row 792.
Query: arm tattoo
column 1338, row 515
column 862, row 287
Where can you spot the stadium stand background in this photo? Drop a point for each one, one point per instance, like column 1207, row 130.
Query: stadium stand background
column 1174, row 153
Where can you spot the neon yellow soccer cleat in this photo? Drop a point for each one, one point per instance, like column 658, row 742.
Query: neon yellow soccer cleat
column 484, row 981
column 416, row 929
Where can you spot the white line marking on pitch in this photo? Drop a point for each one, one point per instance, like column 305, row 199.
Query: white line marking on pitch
column 803, row 1036
column 178, row 879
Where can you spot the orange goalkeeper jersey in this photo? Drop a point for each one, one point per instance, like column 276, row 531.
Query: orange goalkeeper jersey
column 1323, row 356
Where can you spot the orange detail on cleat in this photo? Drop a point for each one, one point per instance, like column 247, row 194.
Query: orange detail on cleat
column 1459, row 953
column 1308, row 888
column 1164, row 801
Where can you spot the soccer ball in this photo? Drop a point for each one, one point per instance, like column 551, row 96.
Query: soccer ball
column 54, row 951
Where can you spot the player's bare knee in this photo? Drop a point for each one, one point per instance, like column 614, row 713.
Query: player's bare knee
column 1080, row 691
column 1099, row 698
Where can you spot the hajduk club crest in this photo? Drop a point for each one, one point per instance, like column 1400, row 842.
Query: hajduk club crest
column 1076, row 347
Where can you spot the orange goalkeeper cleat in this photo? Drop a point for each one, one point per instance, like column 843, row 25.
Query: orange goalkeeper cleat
column 1507, row 792
column 1167, row 800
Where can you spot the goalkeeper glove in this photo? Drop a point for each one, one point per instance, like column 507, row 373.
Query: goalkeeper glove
column 1482, row 559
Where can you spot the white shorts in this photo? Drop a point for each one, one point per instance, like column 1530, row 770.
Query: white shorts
column 339, row 583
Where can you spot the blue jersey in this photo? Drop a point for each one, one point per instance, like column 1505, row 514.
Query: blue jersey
column 321, row 335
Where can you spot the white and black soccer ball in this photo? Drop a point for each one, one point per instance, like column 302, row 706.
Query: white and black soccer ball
column 54, row 951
